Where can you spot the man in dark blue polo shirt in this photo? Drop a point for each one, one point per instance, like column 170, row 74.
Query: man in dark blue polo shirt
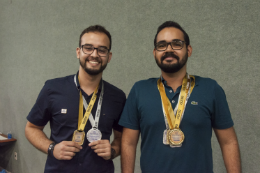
column 175, row 114
column 80, row 144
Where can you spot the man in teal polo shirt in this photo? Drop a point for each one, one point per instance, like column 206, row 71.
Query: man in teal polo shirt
column 175, row 114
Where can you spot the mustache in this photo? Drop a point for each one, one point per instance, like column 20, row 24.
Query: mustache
column 169, row 54
column 91, row 58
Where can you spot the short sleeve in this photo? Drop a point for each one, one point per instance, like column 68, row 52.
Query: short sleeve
column 116, row 126
column 40, row 113
column 221, row 116
column 130, row 116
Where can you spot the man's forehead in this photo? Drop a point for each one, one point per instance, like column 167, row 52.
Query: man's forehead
column 95, row 37
column 170, row 33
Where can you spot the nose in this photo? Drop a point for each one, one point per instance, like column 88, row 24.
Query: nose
column 169, row 47
column 95, row 52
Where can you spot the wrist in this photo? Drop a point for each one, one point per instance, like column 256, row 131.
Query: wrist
column 51, row 148
column 113, row 154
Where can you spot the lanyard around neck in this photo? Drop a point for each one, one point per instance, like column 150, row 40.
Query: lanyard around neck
column 186, row 89
column 82, row 121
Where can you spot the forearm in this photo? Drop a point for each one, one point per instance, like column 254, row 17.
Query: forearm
column 230, row 149
column 37, row 137
column 128, row 149
column 128, row 158
column 231, row 156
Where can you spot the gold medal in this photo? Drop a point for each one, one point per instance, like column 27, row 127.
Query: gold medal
column 78, row 137
column 175, row 136
column 173, row 118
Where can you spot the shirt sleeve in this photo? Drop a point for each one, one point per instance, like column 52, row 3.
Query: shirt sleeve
column 221, row 116
column 40, row 113
column 116, row 125
column 130, row 116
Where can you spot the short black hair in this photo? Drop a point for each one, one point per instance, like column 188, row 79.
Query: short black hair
column 173, row 24
column 96, row 28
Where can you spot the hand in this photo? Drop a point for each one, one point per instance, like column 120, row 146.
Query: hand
column 102, row 148
column 65, row 150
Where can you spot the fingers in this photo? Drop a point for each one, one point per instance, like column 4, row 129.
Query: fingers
column 72, row 144
column 102, row 148
column 105, row 156
column 105, row 153
column 99, row 142
column 66, row 155
column 70, row 149
column 66, row 150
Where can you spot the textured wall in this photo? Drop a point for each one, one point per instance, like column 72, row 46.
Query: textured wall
column 38, row 40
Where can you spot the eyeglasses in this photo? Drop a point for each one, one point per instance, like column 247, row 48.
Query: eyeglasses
column 175, row 45
column 89, row 49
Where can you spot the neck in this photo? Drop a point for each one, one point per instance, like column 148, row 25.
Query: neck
column 174, row 80
column 88, row 83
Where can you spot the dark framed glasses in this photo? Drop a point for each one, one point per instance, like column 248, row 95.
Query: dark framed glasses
column 89, row 49
column 175, row 45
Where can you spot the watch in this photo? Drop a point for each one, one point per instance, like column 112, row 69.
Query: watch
column 51, row 148
column 113, row 153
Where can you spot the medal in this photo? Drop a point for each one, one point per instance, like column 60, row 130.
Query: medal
column 78, row 137
column 94, row 135
column 176, row 137
column 173, row 136
column 165, row 137
column 174, row 146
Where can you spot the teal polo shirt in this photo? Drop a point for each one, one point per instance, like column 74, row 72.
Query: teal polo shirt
column 206, row 108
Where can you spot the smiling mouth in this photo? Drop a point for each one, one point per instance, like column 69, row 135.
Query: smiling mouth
column 169, row 59
column 93, row 62
column 169, row 56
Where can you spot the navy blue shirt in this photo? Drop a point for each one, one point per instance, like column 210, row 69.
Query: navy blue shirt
column 206, row 108
column 58, row 103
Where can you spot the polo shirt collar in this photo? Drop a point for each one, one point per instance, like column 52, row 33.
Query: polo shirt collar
column 165, row 82
column 78, row 86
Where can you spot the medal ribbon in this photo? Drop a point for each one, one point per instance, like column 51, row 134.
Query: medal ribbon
column 83, row 120
column 187, row 87
column 93, row 122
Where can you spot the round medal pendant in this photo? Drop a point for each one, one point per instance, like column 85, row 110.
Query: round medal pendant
column 176, row 137
column 94, row 135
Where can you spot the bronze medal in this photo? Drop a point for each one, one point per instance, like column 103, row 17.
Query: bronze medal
column 175, row 136
column 78, row 137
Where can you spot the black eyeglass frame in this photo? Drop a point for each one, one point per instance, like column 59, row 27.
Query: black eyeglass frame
column 94, row 50
column 169, row 43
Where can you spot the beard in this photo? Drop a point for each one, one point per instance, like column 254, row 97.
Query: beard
column 171, row 68
column 90, row 71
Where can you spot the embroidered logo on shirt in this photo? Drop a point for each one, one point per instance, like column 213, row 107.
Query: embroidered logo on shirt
column 63, row 111
column 194, row 103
